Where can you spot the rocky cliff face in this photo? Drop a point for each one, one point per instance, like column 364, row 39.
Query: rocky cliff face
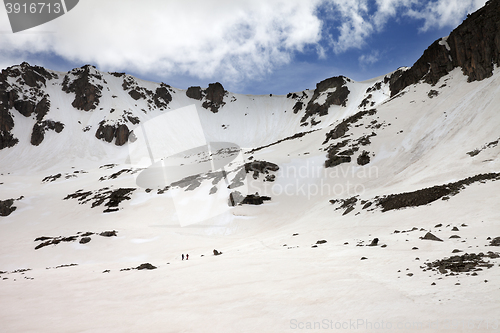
column 474, row 46
column 333, row 91
column 22, row 89
column 213, row 96
column 86, row 83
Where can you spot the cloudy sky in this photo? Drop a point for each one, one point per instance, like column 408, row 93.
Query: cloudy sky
column 251, row 47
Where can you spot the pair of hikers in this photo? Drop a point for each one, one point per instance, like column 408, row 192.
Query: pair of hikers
column 187, row 256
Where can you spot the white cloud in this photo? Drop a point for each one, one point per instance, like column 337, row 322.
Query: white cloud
column 231, row 40
column 357, row 20
column 442, row 13
column 234, row 39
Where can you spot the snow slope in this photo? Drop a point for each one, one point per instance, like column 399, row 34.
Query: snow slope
column 272, row 275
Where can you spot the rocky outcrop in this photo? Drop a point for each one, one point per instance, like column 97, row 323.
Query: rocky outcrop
column 474, row 46
column 112, row 197
column 430, row 194
column 335, row 156
column 162, row 96
column 26, row 96
column 38, row 133
column 6, row 121
column 121, row 135
column 364, row 158
column 7, row 207
column 260, row 167
column 255, row 199
column 338, row 96
column 213, row 96
column 432, row 237
column 195, row 93
column 107, row 132
column 81, row 81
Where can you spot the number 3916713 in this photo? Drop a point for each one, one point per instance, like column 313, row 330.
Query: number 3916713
column 33, row 8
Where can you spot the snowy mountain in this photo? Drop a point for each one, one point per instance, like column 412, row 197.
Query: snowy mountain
column 356, row 203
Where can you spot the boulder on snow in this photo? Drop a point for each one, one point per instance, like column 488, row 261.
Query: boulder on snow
column 430, row 236
column 108, row 233
column 145, row 266
column 85, row 240
column 6, row 207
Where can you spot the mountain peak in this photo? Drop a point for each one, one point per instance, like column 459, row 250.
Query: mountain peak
column 474, row 46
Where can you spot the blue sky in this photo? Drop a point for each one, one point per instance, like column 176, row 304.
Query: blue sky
column 251, row 47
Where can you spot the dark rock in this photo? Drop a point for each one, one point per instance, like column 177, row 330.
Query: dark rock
column 461, row 264
column 162, row 96
column 367, row 205
column 363, row 158
column 38, row 133
column 25, row 107
column 338, row 97
column 121, row 134
column 337, row 160
column 438, row 225
column 6, row 207
column 7, row 140
column 51, row 178
column 85, row 240
column 195, row 93
column 334, row 156
column 321, row 241
column 42, row 108
column 429, row 236
column 495, row 241
column 108, row 233
column 474, row 46
column 235, row 198
column 431, row 194
column 255, row 199
column 348, row 210
column 214, row 97
column 217, row 253
column 456, row 251
column 414, row 248
column 455, row 236
column 87, row 94
column 454, row 229
column 105, row 132
column 347, row 204
column 297, row 107
column 145, row 266
column 374, row 242
column 43, row 238
column 364, row 258
column 263, row 167
column 135, row 94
